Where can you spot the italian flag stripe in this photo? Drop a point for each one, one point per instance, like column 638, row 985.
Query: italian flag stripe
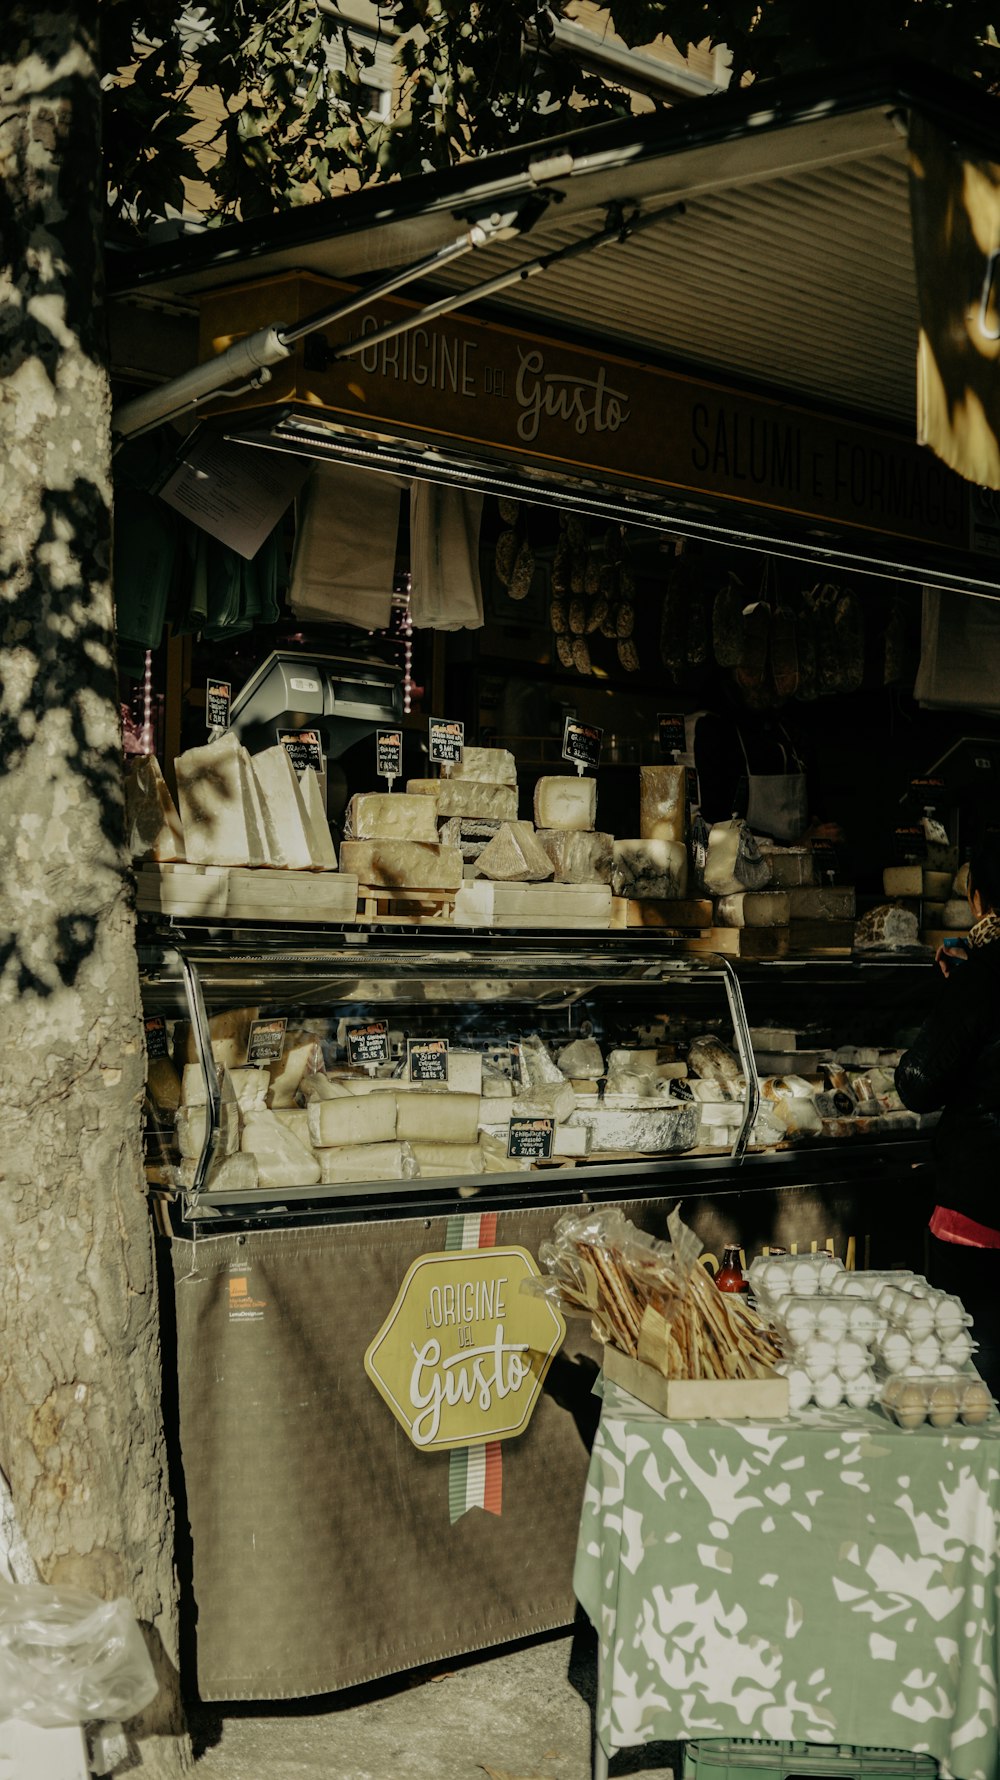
column 475, row 1473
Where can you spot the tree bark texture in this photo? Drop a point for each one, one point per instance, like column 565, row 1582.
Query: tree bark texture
column 81, row 1434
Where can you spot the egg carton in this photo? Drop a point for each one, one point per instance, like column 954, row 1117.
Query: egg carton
column 910, row 1399
column 901, row 1350
column 798, row 1319
column 830, row 1389
column 868, row 1283
column 780, row 1276
column 922, row 1312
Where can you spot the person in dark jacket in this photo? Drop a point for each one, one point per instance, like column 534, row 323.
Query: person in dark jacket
column 954, row 1064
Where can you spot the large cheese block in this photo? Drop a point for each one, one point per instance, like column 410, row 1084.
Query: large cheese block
column 565, row 803
column 662, row 802
column 285, row 829
column 937, row 885
column 440, row 1118
column 654, row 1132
column 578, row 856
column 366, row 1161
column 960, row 883
column 381, row 816
column 163, row 1085
column 790, row 867
column 433, row 1157
column 259, row 854
column 490, row 766
column 402, row 865
column 581, row 1058
column 152, row 824
column 282, row 1161
column 471, row 798
column 296, row 1120
column 218, row 807
column 754, row 908
column 317, row 827
column 249, row 1083
column 548, row 1100
column 958, row 916
column 514, row 856
column 649, row 868
column 903, row 880
column 822, row 902
column 352, row 1120
column 886, row 927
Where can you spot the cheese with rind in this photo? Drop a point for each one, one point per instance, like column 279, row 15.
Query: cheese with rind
column 754, row 908
column 230, row 1036
column 649, row 869
column 302, row 1056
column 395, row 816
column 885, row 927
column 355, row 1119
column 191, row 1125
column 434, row 1157
column 822, row 902
column 581, row 1057
column 514, row 856
column 662, row 803
column 403, row 865
column 545, row 1101
column 647, row 1132
column 152, row 823
column 473, row 799
column 366, row 1161
column 232, row 1174
column 565, row 804
column 440, row 1118
column 578, row 856
column 218, row 810
column 490, row 766
column 790, row 867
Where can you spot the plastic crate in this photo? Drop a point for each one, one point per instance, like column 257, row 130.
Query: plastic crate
column 739, row 1758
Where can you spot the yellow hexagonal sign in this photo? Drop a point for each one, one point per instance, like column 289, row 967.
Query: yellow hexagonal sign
column 463, row 1353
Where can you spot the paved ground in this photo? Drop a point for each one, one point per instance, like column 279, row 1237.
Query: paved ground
column 523, row 1713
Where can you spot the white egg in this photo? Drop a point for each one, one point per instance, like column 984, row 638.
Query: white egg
column 800, row 1388
column 829, row 1392
column 799, row 1320
column 927, row 1353
column 852, row 1358
column 855, row 1285
column 819, row 1359
column 918, row 1319
column 804, row 1280
column 831, row 1319
column 861, row 1391
column 828, row 1271
column 863, row 1321
column 895, row 1351
column 957, row 1348
column 950, row 1316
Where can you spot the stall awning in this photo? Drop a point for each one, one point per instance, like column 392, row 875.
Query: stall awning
column 773, row 254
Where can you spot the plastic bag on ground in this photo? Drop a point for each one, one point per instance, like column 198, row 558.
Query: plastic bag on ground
column 67, row 1657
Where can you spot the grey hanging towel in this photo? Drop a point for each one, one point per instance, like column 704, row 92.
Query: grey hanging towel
column 446, row 592
column 345, row 547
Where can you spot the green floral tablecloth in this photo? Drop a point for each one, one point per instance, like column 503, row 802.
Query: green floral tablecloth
column 827, row 1579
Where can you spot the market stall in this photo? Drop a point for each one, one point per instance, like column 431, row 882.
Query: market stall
column 441, row 937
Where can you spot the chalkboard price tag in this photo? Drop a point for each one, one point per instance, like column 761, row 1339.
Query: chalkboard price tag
column 389, row 754
column 671, row 727
column 909, row 844
column 218, row 698
column 266, row 1041
column 368, row 1044
column 427, row 1059
column 581, row 743
column 446, row 741
column 530, row 1140
column 304, row 747
column 156, row 1037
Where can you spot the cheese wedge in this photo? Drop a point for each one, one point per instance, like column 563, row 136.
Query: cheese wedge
column 490, row 766
column 219, row 810
column 321, row 845
column 152, row 824
column 409, row 865
column 302, row 1055
column 283, row 810
column 471, row 798
column 578, row 856
column 662, row 803
column 281, row 1160
column 514, row 856
column 649, row 869
column 230, row 1036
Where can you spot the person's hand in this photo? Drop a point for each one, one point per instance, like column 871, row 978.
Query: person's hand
column 951, row 954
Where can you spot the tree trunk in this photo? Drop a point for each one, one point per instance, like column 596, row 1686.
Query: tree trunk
column 81, row 1435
